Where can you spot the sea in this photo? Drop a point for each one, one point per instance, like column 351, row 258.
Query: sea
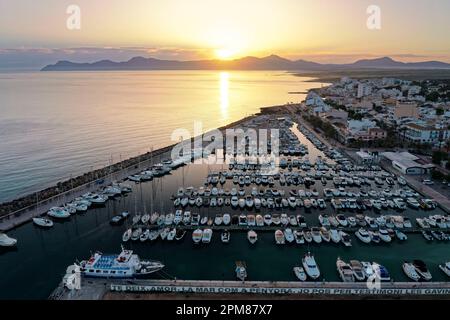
column 64, row 123
column 57, row 125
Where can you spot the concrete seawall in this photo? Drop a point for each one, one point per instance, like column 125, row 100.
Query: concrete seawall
column 144, row 289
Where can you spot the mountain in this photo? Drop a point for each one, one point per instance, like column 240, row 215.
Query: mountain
column 272, row 62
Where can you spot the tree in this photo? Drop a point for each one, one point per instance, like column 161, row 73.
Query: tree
column 439, row 156
column 439, row 111
column 433, row 96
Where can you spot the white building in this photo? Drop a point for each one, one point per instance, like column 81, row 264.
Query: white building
column 407, row 163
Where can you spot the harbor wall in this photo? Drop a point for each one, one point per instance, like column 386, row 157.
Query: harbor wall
column 143, row 289
column 19, row 211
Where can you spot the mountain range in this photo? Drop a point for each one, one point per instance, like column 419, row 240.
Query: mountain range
column 272, row 62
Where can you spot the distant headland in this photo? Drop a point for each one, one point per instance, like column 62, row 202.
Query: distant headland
column 272, row 62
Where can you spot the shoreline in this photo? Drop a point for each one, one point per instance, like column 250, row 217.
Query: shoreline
column 21, row 210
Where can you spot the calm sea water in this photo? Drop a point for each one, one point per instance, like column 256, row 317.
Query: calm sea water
column 54, row 125
column 36, row 267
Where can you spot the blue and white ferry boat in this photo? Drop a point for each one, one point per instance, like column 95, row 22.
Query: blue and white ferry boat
column 124, row 265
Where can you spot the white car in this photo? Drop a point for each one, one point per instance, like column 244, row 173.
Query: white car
column 427, row 182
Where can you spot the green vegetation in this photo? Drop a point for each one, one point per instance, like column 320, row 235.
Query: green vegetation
column 439, row 156
column 432, row 96
column 326, row 127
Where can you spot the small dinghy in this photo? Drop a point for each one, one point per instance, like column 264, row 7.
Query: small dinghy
column 43, row 223
column 300, row 273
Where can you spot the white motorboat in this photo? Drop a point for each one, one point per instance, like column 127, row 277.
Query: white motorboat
column 367, row 269
column 363, row 235
column 279, row 237
column 300, row 273
column 345, row 271
column 358, row 271
column 422, row 270
column 445, row 268
column 241, row 270
column 400, row 235
column 307, row 235
column 234, row 201
column 187, row 218
column 298, row 235
column 345, row 238
column 226, row 219
column 335, row 236
column 225, row 236
column 342, row 220
column 267, row 219
column 6, row 241
column 197, row 235
column 384, row 235
column 127, row 235
column 374, row 236
column 310, row 266
column 315, row 233
column 207, row 235
column 257, row 203
column 325, row 234
column 410, row 271
column 42, row 222
column 218, row 220
column 252, row 236
column 289, row 235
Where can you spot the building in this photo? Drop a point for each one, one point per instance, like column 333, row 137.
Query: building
column 407, row 163
column 419, row 133
column 405, row 109
column 366, row 157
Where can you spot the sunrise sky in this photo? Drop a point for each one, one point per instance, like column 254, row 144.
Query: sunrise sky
column 318, row 30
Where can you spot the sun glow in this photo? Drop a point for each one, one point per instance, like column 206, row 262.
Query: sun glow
column 225, row 53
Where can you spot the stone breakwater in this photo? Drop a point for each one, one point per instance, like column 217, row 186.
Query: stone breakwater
column 92, row 176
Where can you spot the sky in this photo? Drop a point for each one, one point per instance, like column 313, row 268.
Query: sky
column 35, row 33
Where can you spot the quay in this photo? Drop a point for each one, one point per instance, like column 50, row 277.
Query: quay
column 146, row 288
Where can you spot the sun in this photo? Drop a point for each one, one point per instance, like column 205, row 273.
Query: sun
column 225, row 53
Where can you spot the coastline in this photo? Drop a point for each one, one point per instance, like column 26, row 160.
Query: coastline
column 21, row 210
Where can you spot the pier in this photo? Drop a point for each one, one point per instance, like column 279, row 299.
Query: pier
column 144, row 289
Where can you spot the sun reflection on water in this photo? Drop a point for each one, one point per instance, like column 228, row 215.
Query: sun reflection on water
column 224, row 94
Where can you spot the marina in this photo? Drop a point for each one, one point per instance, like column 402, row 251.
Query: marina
column 198, row 220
